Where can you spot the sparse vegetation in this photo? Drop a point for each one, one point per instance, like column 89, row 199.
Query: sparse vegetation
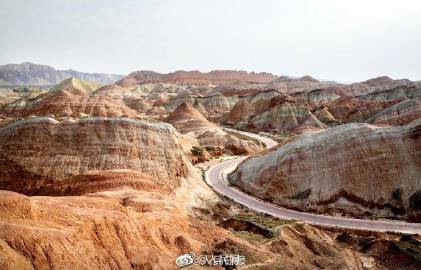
column 264, row 219
column 410, row 246
column 279, row 137
column 301, row 195
column 251, row 237
column 397, row 194
column 245, row 137
column 197, row 150
column 415, row 201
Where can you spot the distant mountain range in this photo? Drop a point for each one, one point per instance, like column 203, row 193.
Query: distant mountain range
column 42, row 75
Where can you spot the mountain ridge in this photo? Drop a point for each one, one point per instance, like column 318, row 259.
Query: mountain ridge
column 30, row 74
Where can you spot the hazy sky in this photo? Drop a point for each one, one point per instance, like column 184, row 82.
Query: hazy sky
column 328, row 39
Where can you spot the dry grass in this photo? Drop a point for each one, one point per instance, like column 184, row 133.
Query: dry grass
column 264, row 219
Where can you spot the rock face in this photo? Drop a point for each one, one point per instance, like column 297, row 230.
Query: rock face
column 106, row 180
column 69, row 98
column 127, row 230
column 286, row 117
column 15, row 100
column 140, row 77
column 397, row 93
column 212, row 105
column 240, row 89
column 215, row 104
column 399, row 114
column 308, row 99
column 128, row 194
column 350, row 109
column 300, row 246
column 139, row 105
column 316, row 97
column 215, row 94
column 353, row 166
column 40, row 152
column 188, row 120
column 385, row 82
column 7, row 95
column 279, row 114
column 194, row 77
column 240, row 113
column 146, row 91
column 262, row 95
column 75, row 86
column 64, row 103
column 305, row 84
column 124, row 229
column 325, row 116
column 33, row 74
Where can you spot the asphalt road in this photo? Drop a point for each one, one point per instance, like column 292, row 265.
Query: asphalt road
column 215, row 177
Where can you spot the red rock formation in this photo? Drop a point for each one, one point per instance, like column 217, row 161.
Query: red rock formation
column 105, row 180
column 69, row 98
column 113, row 230
column 356, row 167
column 139, row 77
column 396, row 93
column 212, row 106
column 281, row 114
column 37, row 153
column 385, row 82
column 305, row 84
column 399, row 114
column 64, row 103
column 126, row 230
column 195, row 77
column 240, row 113
column 189, row 120
column 350, row 109
column 325, row 116
column 240, row 91
column 139, row 105
column 315, row 98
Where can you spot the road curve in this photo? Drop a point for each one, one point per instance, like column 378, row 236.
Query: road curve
column 215, row 177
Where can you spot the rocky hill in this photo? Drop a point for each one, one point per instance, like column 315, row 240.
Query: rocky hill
column 41, row 152
column 385, row 82
column 128, row 229
column 70, row 98
column 210, row 137
column 352, row 109
column 354, row 168
column 281, row 113
column 187, row 119
column 182, row 77
column 401, row 113
column 42, row 75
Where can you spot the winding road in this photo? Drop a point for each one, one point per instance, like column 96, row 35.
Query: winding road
column 215, row 177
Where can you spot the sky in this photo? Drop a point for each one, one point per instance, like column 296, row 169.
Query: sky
column 327, row 39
